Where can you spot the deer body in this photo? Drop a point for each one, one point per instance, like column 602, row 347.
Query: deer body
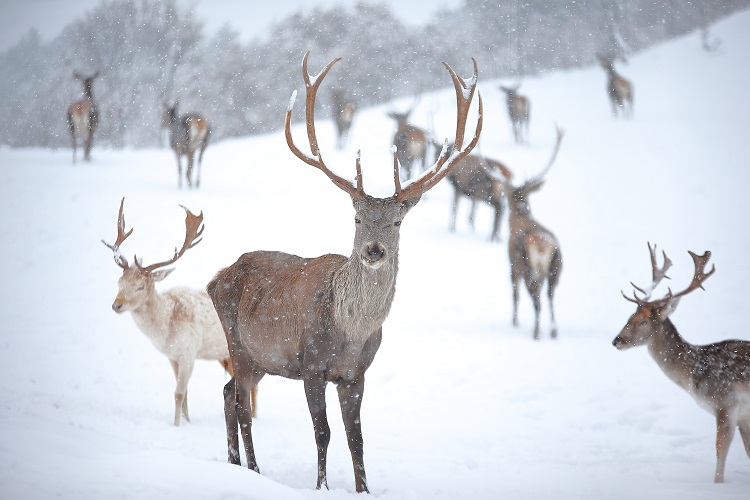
column 344, row 110
column 83, row 117
column 619, row 89
column 470, row 180
column 412, row 143
column 188, row 136
column 320, row 319
column 519, row 109
column 717, row 376
column 180, row 322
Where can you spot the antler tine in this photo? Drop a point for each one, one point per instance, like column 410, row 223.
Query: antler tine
column 446, row 162
column 540, row 176
column 699, row 276
column 193, row 230
column 120, row 260
column 312, row 83
column 657, row 274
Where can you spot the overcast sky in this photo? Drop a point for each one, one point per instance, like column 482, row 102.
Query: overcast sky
column 249, row 17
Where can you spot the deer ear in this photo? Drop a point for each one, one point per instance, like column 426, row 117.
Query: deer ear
column 161, row 274
column 409, row 203
column 667, row 309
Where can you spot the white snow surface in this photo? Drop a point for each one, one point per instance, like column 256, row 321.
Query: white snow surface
column 459, row 404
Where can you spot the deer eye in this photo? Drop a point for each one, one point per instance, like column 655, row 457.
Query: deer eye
column 643, row 323
column 141, row 288
column 397, row 223
column 357, row 221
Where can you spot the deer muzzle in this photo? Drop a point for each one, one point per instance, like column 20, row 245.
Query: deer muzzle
column 373, row 254
column 117, row 305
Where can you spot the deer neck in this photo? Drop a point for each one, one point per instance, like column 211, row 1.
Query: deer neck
column 675, row 356
column 363, row 296
column 152, row 317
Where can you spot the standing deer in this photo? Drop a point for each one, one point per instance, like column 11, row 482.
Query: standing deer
column 533, row 250
column 717, row 375
column 188, row 134
column 181, row 322
column 83, row 117
column 412, row 143
column 619, row 88
column 343, row 112
column 469, row 179
column 519, row 109
column 320, row 319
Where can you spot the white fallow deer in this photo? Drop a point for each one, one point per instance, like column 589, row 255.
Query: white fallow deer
column 320, row 319
column 188, row 136
column 83, row 117
column 619, row 89
column 716, row 375
column 344, row 110
column 519, row 109
column 533, row 250
column 181, row 322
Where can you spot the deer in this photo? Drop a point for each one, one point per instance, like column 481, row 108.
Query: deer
column 619, row 88
column 470, row 180
column 412, row 142
column 519, row 109
column 181, row 322
column 716, row 375
column 188, row 134
column 344, row 110
column 83, row 117
column 533, row 250
column 320, row 319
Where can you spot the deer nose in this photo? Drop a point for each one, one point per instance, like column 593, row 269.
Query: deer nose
column 373, row 252
column 117, row 306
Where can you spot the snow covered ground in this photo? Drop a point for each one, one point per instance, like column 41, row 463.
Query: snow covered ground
column 459, row 404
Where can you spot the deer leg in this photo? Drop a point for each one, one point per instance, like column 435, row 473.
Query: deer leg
column 745, row 433
column 183, row 370
column 230, row 417
column 243, row 387
column 535, row 291
column 472, row 212
column 200, row 164
column 87, row 146
column 315, row 390
column 454, row 211
column 725, row 425
column 71, row 128
column 350, row 399
column 179, row 171
column 189, row 171
column 554, row 277
column 515, row 279
column 495, row 236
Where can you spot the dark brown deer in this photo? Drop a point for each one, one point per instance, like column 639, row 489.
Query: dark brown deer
column 188, row 135
column 181, row 322
column 533, row 250
column 320, row 319
column 717, row 375
column 519, row 109
column 469, row 179
column 619, row 89
column 83, row 117
column 344, row 110
column 412, row 143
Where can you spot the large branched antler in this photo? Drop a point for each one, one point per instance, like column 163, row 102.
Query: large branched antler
column 537, row 181
column 193, row 229
column 120, row 260
column 312, row 83
column 446, row 161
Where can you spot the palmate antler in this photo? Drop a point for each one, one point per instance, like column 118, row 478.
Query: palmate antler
column 699, row 276
column 464, row 94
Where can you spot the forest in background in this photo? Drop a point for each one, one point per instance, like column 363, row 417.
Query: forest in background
column 150, row 52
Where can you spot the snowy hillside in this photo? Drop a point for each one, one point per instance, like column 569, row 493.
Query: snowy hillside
column 459, row 404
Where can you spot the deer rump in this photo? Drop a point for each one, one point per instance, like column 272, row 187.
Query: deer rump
column 192, row 131
column 282, row 332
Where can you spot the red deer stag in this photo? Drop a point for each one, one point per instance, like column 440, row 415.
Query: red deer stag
column 83, row 117
column 717, row 375
column 533, row 250
column 181, row 322
column 343, row 112
column 519, row 109
column 619, row 88
column 320, row 319
column 469, row 179
column 412, row 143
column 188, row 134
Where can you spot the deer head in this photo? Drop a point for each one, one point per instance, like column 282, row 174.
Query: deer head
column 136, row 284
column 87, row 82
column 650, row 314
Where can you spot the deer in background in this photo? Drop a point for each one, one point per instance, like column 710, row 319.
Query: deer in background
column 619, row 88
column 533, row 250
column 412, row 143
column 181, row 322
column 83, row 117
column 188, row 134
column 469, row 179
column 320, row 319
column 519, row 109
column 717, row 375
column 344, row 110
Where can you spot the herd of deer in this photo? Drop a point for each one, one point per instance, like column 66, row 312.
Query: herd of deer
column 320, row 319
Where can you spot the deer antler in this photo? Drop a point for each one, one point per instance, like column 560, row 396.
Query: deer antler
column 656, row 274
column 193, row 229
column 445, row 162
column 120, row 260
column 539, row 178
column 311, row 87
column 699, row 276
